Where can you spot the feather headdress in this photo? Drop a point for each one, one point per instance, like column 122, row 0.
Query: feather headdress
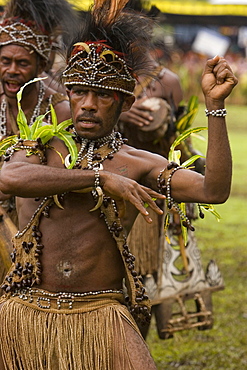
column 110, row 49
column 35, row 23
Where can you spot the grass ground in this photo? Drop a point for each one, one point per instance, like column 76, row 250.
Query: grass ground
column 224, row 347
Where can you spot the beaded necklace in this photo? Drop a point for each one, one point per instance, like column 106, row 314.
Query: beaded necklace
column 36, row 111
column 93, row 152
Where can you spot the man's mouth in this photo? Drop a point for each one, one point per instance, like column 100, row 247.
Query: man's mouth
column 12, row 86
column 87, row 122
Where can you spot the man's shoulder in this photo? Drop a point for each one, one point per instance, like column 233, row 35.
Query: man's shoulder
column 140, row 153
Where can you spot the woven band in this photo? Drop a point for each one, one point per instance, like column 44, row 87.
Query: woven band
column 95, row 65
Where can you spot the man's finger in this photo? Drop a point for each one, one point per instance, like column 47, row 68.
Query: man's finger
column 211, row 63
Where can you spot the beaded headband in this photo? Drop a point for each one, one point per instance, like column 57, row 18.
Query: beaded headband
column 20, row 33
column 94, row 64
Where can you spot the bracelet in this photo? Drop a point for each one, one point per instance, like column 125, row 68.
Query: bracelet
column 216, row 113
column 165, row 187
column 97, row 177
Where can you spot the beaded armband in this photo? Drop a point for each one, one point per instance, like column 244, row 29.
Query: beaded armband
column 164, row 185
column 32, row 147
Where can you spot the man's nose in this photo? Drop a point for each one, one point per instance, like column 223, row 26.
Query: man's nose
column 12, row 69
column 89, row 101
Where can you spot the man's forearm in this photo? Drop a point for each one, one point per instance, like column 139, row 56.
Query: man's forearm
column 31, row 180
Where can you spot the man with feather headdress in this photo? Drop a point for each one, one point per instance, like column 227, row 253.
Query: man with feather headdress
column 72, row 292
column 28, row 29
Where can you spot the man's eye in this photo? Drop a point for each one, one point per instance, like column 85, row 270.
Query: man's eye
column 4, row 61
column 79, row 92
column 103, row 94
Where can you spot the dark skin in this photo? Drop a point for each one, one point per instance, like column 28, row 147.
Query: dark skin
column 18, row 65
column 167, row 87
column 76, row 259
column 120, row 175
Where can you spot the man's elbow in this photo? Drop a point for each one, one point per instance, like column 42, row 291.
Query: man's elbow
column 219, row 197
column 6, row 184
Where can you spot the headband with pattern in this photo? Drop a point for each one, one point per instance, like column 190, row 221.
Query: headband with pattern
column 110, row 50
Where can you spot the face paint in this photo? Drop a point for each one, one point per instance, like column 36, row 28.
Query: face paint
column 116, row 96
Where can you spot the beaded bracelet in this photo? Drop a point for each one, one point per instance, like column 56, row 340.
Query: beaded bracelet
column 97, row 177
column 32, row 147
column 171, row 203
column 216, row 113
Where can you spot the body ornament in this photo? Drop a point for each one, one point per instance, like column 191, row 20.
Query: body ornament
column 95, row 65
column 44, row 299
column 216, row 113
column 26, row 268
column 32, row 147
column 137, row 301
column 21, row 34
column 97, row 191
column 164, row 185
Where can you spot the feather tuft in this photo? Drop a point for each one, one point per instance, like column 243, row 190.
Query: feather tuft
column 124, row 30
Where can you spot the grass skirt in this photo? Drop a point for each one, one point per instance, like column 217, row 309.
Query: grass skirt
column 90, row 336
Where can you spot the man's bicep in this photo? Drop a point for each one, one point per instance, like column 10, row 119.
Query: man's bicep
column 156, row 164
column 22, row 155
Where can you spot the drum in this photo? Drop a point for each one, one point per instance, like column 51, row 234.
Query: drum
column 162, row 116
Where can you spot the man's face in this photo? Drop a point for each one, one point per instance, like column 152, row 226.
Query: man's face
column 17, row 66
column 94, row 111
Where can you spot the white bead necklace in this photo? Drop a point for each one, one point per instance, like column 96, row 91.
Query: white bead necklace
column 36, row 111
column 88, row 148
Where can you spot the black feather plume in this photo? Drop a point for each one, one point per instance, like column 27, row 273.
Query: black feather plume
column 127, row 32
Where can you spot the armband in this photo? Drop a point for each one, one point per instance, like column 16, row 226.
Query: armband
column 32, row 147
column 164, row 185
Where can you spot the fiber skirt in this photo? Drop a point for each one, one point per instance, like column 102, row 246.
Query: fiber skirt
column 36, row 334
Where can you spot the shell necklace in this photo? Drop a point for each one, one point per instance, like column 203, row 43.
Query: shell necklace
column 93, row 152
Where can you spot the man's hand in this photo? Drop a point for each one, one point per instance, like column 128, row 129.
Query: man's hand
column 218, row 79
column 138, row 115
column 123, row 189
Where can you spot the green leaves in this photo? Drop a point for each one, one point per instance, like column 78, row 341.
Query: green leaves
column 183, row 126
column 173, row 156
column 40, row 129
column 7, row 142
column 210, row 208
column 186, row 120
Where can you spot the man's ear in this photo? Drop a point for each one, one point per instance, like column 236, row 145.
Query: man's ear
column 68, row 92
column 127, row 103
column 41, row 66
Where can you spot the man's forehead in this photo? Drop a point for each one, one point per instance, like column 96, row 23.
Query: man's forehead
column 92, row 88
column 15, row 49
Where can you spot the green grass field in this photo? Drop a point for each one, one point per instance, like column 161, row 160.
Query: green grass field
column 224, row 347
